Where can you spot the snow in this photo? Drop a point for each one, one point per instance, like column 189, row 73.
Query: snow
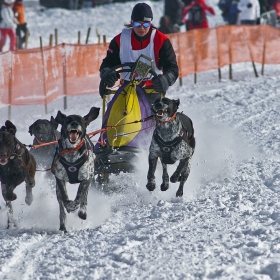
column 227, row 225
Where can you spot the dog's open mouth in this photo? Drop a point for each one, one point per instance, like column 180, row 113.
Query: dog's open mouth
column 161, row 113
column 73, row 135
column 3, row 161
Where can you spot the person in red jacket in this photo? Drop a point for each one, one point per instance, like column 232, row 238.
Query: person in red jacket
column 141, row 37
column 195, row 15
column 21, row 30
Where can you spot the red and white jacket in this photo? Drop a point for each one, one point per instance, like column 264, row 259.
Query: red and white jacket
column 206, row 10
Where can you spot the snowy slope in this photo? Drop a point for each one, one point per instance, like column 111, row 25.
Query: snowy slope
column 225, row 227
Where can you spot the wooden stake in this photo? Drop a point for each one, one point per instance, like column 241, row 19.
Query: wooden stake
column 56, row 36
column 79, row 37
column 51, row 40
column 10, row 87
column 230, row 72
column 219, row 52
column 251, row 53
column 88, row 32
column 230, row 56
column 264, row 49
column 44, row 78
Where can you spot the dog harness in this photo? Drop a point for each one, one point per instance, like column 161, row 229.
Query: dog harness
column 167, row 147
column 16, row 154
column 72, row 168
column 185, row 134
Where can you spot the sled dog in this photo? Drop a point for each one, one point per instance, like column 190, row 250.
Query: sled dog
column 73, row 162
column 173, row 140
column 17, row 165
column 44, row 131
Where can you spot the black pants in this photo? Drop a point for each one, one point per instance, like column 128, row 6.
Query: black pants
column 251, row 22
column 21, row 32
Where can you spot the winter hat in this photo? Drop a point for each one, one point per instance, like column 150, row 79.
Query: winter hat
column 142, row 12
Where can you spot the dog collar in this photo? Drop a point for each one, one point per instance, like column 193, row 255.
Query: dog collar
column 170, row 120
column 40, row 142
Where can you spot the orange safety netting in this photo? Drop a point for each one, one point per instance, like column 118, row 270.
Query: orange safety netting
column 38, row 76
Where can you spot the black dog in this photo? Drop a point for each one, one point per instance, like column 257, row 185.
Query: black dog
column 16, row 166
column 44, row 131
column 173, row 140
column 74, row 162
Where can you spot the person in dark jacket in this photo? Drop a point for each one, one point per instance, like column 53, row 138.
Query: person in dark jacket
column 230, row 12
column 164, row 25
column 173, row 9
column 141, row 37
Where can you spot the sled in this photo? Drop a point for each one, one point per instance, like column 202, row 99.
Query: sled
column 127, row 119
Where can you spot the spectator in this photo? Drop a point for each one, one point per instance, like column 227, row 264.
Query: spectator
column 249, row 11
column 173, row 9
column 21, row 30
column 8, row 25
column 194, row 15
column 264, row 6
column 230, row 12
column 165, row 25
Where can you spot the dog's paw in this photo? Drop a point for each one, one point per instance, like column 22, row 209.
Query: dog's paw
column 10, row 196
column 63, row 228
column 151, row 186
column 179, row 192
column 164, row 187
column 71, row 206
column 174, row 178
column 82, row 214
column 29, row 198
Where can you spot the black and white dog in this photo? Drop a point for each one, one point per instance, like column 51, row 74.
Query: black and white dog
column 44, row 131
column 74, row 162
column 173, row 140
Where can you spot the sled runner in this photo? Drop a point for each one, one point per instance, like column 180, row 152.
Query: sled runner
column 128, row 126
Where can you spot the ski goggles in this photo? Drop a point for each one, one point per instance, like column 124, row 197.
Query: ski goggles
column 138, row 24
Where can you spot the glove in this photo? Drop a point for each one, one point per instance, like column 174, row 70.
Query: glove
column 160, row 84
column 111, row 79
column 249, row 5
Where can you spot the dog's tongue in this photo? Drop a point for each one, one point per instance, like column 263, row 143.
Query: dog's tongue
column 73, row 136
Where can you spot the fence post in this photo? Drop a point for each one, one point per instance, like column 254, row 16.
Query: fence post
column 219, row 53
column 79, row 37
column 179, row 59
column 264, row 50
column 56, row 36
column 64, row 76
column 250, row 50
column 51, row 40
column 44, row 78
column 88, row 33
column 10, row 86
column 195, row 56
column 230, row 56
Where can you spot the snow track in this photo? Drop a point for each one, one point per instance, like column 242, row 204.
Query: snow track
column 225, row 227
